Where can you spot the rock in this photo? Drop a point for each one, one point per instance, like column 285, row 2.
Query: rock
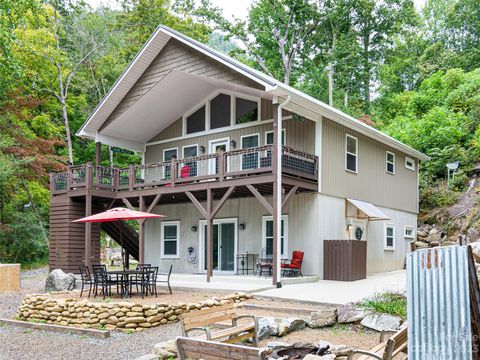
column 433, row 231
column 449, row 243
column 420, row 245
column 267, row 327
column 472, row 235
column 476, row 250
column 57, row 280
column 322, row 318
column 381, row 322
column 165, row 350
column 349, row 313
column 435, row 237
column 338, row 350
column 274, row 345
column 319, row 357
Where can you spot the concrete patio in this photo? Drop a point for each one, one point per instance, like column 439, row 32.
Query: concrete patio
column 340, row 292
column 307, row 289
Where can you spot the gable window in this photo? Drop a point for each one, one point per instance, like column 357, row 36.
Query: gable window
column 389, row 237
column 250, row 160
column 170, row 235
column 220, row 111
column 195, row 122
column 410, row 163
column 168, row 155
column 351, row 153
column 390, row 157
column 189, row 168
column 245, row 110
column 409, row 232
column 267, row 238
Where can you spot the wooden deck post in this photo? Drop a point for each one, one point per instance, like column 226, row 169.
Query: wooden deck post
column 141, row 235
column 277, row 197
column 98, row 154
column 131, row 177
column 88, row 175
column 88, row 231
column 209, row 219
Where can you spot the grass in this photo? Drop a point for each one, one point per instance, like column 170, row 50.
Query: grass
column 34, row 265
column 387, row 303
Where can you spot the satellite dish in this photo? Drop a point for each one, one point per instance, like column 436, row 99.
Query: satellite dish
column 453, row 165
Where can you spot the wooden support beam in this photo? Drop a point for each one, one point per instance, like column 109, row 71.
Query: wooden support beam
column 141, row 233
column 197, row 204
column 110, row 204
column 88, row 232
column 98, row 154
column 127, row 203
column 261, row 199
column 154, row 203
column 209, row 219
column 224, row 198
column 292, row 191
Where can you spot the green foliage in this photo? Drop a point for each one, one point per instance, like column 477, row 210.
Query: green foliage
column 387, row 303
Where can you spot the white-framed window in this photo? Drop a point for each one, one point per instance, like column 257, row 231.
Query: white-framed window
column 390, row 162
column 269, row 137
column 246, row 109
column 267, row 235
column 409, row 232
column 351, row 153
column 170, row 238
column 189, row 168
column 250, row 160
column 410, row 163
column 220, row 111
column 196, row 121
column 389, row 237
column 169, row 154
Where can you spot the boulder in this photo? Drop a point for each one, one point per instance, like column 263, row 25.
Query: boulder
column 290, row 324
column 165, row 350
column 349, row 313
column 472, row 235
column 267, row 327
column 421, row 245
column 319, row 357
column 476, row 250
column 275, row 345
column 148, row 357
column 57, row 280
column 434, row 237
column 433, row 231
column 381, row 322
column 322, row 318
column 449, row 243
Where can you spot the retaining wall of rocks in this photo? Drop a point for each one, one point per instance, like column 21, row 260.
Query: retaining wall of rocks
column 123, row 316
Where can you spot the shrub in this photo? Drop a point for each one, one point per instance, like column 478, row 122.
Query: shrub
column 387, row 303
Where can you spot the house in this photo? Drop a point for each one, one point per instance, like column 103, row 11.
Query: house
column 239, row 163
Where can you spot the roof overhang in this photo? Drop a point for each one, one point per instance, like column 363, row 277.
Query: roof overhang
column 365, row 210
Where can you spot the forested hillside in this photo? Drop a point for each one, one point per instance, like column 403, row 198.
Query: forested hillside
column 415, row 73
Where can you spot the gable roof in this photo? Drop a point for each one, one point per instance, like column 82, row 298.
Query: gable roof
column 299, row 101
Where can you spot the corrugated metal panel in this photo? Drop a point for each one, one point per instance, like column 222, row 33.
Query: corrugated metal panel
column 372, row 183
column 438, row 304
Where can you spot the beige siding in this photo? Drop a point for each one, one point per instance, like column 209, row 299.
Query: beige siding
column 300, row 134
column 372, row 183
column 173, row 131
column 178, row 56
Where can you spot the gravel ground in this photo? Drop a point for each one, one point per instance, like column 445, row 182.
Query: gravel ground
column 19, row 343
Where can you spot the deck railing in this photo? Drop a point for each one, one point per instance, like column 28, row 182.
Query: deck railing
column 210, row 167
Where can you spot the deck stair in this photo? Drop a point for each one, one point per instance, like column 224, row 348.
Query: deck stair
column 129, row 236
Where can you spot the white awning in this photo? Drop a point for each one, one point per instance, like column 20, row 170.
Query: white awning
column 365, row 210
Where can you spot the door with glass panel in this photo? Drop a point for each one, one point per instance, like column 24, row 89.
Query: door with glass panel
column 217, row 147
column 223, row 243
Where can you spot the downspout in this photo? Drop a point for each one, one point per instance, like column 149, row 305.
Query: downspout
column 279, row 189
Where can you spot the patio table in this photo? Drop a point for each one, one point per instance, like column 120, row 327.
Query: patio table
column 125, row 278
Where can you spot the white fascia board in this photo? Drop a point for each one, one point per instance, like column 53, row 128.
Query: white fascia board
column 322, row 109
column 121, row 143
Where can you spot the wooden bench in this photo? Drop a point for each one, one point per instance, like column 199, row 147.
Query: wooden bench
column 386, row 350
column 210, row 320
column 197, row 349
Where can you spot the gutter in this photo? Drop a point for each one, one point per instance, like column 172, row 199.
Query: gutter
column 278, row 194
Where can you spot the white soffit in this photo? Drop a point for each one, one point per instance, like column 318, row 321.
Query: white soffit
column 370, row 211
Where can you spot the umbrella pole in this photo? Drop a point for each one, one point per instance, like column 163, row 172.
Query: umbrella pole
column 121, row 244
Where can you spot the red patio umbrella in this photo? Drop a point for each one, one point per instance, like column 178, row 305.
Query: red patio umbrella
column 118, row 214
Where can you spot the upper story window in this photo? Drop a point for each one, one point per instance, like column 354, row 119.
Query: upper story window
column 169, row 154
column 245, row 110
column 250, row 160
column 189, row 168
column 195, row 122
column 410, row 163
column 269, row 137
column 220, row 111
column 351, row 153
column 390, row 162
column 409, row 232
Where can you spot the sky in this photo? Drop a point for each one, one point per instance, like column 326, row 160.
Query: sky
column 237, row 8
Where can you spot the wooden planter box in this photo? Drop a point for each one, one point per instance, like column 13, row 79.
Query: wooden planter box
column 9, row 277
column 344, row 260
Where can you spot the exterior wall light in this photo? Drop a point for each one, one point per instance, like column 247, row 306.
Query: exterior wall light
column 242, row 227
column 202, row 149
column 233, row 144
column 193, row 228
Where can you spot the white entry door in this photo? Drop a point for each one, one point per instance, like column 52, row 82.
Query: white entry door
column 224, row 245
column 217, row 146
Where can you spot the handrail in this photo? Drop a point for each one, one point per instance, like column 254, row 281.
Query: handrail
column 220, row 166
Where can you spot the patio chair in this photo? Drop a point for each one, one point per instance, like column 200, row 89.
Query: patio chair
column 152, row 280
column 264, row 263
column 167, row 280
column 102, row 280
column 143, row 280
column 87, row 279
column 293, row 267
column 137, row 279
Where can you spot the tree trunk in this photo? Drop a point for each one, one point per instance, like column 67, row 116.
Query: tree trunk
column 330, row 83
column 366, row 72
column 67, row 131
column 35, row 211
